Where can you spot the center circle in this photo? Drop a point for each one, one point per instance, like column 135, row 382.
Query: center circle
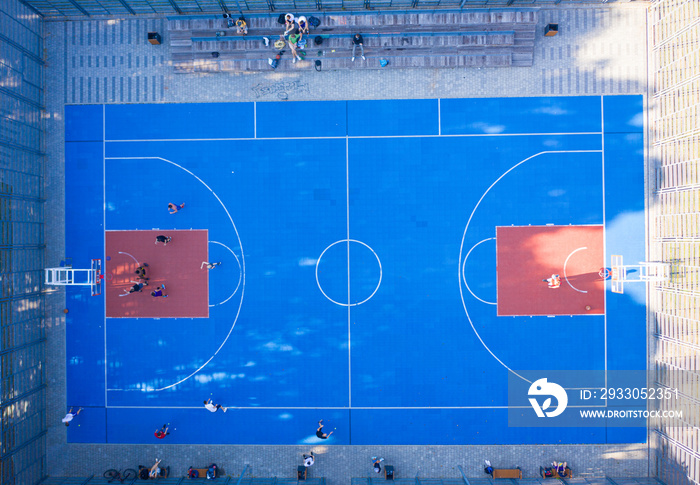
column 348, row 272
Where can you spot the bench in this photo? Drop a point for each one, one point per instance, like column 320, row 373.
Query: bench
column 507, row 473
column 164, row 471
column 202, row 472
column 475, row 38
column 568, row 474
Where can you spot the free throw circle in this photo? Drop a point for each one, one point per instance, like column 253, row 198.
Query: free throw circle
column 348, row 274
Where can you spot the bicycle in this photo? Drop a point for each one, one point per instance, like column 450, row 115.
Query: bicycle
column 127, row 474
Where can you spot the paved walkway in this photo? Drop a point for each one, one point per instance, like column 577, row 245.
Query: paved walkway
column 597, row 51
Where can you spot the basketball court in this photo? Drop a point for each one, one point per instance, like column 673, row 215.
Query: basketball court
column 382, row 266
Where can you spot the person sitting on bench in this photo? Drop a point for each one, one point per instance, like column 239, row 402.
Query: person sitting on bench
column 155, row 470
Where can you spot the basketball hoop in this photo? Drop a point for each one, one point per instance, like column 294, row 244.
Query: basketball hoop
column 644, row 271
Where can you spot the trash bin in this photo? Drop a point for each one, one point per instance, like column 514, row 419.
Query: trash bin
column 551, row 30
column 154, row 38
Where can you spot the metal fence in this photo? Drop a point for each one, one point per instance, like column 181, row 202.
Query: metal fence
column 674, row 205
column 83, row 8
column 22, row 340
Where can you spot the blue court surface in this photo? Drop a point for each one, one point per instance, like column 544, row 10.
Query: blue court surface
column 358, row 282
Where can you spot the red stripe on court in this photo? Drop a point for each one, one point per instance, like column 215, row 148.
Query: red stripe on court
column 528, row 254
column 177, row 265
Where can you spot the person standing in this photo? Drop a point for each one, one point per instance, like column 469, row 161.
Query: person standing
column 377, row 466
column 309, row 459
column 357, row 40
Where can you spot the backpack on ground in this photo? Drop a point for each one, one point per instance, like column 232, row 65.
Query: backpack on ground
column 280, row 19
column 314, row 21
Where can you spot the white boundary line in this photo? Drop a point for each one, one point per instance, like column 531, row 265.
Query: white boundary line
column 104, row 240
column 566, row 262
column 255, row 119
column 347, row 137
column 242, row 291
column 605, row 246
column 347, row 235
column 439, row 119
column 255, row 408
column 464, row 235
column 352, row 137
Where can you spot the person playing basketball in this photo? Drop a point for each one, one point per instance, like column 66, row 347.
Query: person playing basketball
column 553, row 282
column 320, row 433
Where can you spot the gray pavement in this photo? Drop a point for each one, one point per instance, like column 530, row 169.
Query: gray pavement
column 599, row 50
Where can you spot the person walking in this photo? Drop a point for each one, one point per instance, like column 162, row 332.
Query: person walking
column 377, row 465
column 309, row 459
column 358, row 41
column 209, row 265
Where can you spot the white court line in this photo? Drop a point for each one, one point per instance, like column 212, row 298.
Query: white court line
column 352, row 137
column 605, row 293
column 471, row 216
column 135, row 260
column 342, row 408
column 565, row 263
column 255, row 119
column 243, row 270
column 347, row 236
column 318, row 283
column 104, row 228
column 464, row 276
column 240, row 273
column 439, row 119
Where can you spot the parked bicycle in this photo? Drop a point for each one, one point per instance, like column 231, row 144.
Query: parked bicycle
column 122, row 476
